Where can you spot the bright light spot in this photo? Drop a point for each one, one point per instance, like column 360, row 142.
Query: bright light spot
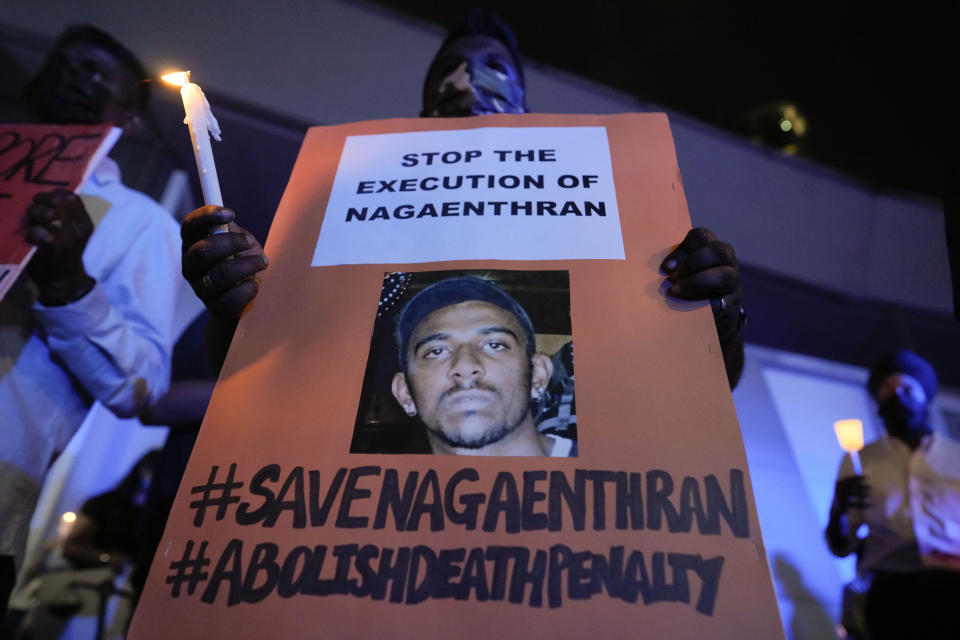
column 799, row 125
column 785, row 125
column 69, row 517
column 177, row 78
column 849, row 434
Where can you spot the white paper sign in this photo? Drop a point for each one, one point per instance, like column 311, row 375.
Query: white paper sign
column 539, row 193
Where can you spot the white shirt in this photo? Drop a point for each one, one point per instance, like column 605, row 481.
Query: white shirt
column 914, row 501
column 112, row 345
column 935, row 502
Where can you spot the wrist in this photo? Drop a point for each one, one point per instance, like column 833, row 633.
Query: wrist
column 838, row 510
column 63, row 291
column 730, row 323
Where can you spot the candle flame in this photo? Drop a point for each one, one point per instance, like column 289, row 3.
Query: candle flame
column 69, row 517
column 177, row 78
column 849, row 434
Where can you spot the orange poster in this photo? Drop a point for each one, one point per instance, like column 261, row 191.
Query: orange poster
column 398, row 445
column 35, row 158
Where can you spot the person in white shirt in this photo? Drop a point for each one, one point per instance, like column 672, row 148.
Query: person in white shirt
column 908, row 498
column 92, row 317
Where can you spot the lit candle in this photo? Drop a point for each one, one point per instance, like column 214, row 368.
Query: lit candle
column 66, row 523
column 202, row 124
column 850, row 436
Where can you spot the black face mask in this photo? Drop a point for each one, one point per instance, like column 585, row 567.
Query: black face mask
column 904, row 416
column 63, row 94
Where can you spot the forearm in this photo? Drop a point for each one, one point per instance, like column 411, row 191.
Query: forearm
column 838, row 535
column 733, row 358
column 183, row 406
column 123, row 361
column 66, row 290
column 220, row 332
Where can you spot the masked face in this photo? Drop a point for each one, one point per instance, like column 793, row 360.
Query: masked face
column 81, row 83
column 904, row 407
column 473, row 75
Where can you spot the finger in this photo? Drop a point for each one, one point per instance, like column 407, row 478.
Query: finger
column 40, row 213
column 849, row 490
column 859, row 493
column 727, row 305
column 44, row 198
column 858, row 483
column 694, row 239
column 63, row 194
column 233, row 226
column 202, row 255
column 233, row 301
column 53, row 197
column 229, row 273
column 39, row 236
column 712, row 283
column 196, row 225
column 715, row 254
column 856, row 492
column 731, row 319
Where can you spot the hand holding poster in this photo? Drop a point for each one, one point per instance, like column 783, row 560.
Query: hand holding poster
column 35, row 159
column 433, row 286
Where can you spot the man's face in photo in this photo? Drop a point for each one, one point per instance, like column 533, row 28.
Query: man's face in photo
column 469, row 375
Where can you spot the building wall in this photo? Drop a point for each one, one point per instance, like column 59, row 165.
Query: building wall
column 330, row 61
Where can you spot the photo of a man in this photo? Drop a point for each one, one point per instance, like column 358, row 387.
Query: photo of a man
column 469, row 373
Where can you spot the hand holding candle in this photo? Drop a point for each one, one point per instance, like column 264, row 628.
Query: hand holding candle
column 850, row 435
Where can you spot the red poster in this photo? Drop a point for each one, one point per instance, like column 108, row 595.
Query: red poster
column 398, row 445
column 35, row 158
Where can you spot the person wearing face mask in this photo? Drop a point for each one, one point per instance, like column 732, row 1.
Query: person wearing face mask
column 96, row 312
column 901, row 516
column 476, row 71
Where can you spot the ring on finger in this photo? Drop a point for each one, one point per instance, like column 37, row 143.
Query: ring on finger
column 718, row 306
column 208, row 284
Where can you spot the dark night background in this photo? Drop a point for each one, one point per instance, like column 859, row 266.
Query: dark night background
column 873, row 81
